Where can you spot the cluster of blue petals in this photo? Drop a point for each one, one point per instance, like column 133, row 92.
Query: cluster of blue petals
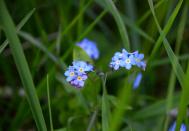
column 77, row 73
column 90, row 48
column 127, row 60
column 173, row 127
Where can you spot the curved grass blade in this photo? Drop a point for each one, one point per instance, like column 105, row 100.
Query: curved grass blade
column 19, row 26
column 22, row 66
column 122, row 29
column 165, row 30
column 174, row 61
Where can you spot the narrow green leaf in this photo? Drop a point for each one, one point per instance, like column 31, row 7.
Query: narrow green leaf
column 174, row 61
column 19, row 26
column 122, row 29
column 49, row 104
column 39, row 45
column 182, row 114
column 105, row 106
column 166, row 28
column 22, row 66
column 124, row 100
column 172, row 81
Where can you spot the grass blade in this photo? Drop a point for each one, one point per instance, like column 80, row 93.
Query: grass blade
column 166, row 28
column 122, row 29
column 174, row 61
column 49, row 104
column 183, row 102
column 105, row 107
column 19, row 26
column 22, row 66
column 172, row 76
column 124, row 99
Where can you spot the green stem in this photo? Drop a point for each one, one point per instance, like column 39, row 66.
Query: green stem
column 49, row 103
column 105, row 106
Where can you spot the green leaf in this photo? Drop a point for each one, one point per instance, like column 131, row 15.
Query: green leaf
column 81, row 55
column 22, row 66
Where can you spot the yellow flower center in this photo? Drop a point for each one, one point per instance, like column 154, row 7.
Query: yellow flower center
column 127, row 61
column 80, row 69
column 79, row 78
column 72, row 74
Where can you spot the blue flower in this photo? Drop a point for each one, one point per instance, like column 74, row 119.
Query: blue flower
column 116, row 61
column 137, row 80
column 82, row 66
column 70, row 73
column 79, row 81
column 127, row 61
column 139, row 60
column 173, row 127
column 77, row 74
column 90, row 48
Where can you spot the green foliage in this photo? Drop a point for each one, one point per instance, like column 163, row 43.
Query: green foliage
column 48, row 33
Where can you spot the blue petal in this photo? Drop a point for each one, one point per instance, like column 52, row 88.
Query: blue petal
column 137, row 80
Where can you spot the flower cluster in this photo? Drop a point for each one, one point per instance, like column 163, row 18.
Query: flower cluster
column 90, row 48
column 127, row 60
column 77, row 73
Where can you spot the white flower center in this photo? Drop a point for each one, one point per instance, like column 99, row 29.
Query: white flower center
column 72, row 73
column 127, row 61
column 80, row 69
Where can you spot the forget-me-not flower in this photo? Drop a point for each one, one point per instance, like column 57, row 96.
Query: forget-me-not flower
column 127, row 60
column 173, row 127
column 77, row 73
column 90, row 48
column 139, row 60
column 116, row 61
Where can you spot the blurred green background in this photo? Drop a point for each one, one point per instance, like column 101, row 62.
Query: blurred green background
column 48, row 36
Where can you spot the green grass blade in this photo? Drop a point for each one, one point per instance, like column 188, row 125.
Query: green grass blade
column 105, row 107
column 77, row 18
column 135, row 28
column 39, row 45
column 19, row 26
column 147, row 14
column 174, row 61
column 22, row 66
column 166, row 28
column 91, row 26
column 182, row 114
column 122, row 29
column 124, row 100
column 164, row 61
column 172, row 82
column 49, row 104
